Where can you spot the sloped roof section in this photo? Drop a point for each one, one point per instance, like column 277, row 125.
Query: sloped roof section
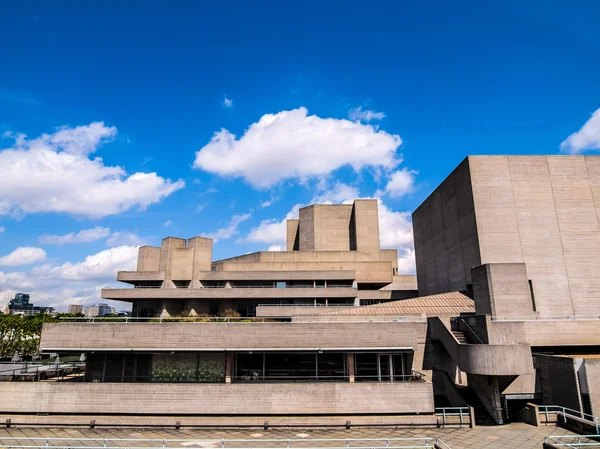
column 452, row 303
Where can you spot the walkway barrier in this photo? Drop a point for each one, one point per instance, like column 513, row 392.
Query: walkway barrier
column 571, row 441
column 558, row 414
column 280, row 443
column 455, row 416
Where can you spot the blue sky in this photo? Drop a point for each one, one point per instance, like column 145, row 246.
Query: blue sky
column 220, row 118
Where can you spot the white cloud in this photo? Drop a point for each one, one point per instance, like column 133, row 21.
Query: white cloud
column 124, row 238
column 399, row 183
column 72, row 283
column 294, row 145
column 358, row 115
column 97, row 267
column 273, row 230
column 395, row 228
column 338, row 193
column 201, row 207
column 268, row 203
column 275, row 248
column 406, row 262
column 61, row 177
column 587, row 138
column 85, row 236
column 227, row 102
column 167, row 223
column 229, row 231
column 2, row 229
column 23, row 255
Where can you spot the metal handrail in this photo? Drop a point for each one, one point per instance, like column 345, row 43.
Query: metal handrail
column 245, row 320
column 545, row 318
column 248, row 286
column 286, row 443
column 444, row 412
column 558, row 441
column 566, row 412
column 471, row 329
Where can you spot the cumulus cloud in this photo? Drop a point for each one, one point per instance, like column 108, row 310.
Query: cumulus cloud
column 294, row 145
column 268, row 203
column 228, row 231
column 120, row 238
column 62, row 178
column 84, row 236
column 587, row 138
column 227, row 102
column 406, row 262
column 97, row 267
column 338, row 193
column 400, row 183
column 395, row 228
column 275, row 248
column 360, row 115
column 23, row 255
column 272, row 230
column 71, row 283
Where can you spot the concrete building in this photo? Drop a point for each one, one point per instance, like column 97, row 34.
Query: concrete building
column 75, row 308
column 504, row 310
column 100, row 309
column 20, row 305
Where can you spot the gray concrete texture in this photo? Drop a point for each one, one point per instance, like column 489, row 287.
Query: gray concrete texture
column 228, row 336
column 542, row 211
column 217, row 399
column 511, row 436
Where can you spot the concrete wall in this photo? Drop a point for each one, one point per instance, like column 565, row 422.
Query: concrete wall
column 539, row 210
column 214, row 399
column 592, row 381
column 227, row 336
column 502, row 289
column 366, row 226
column 291, row 237
column 558, row 379
column 445, row 234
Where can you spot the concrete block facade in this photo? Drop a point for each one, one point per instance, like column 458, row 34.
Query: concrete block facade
column 541, row 211
column 217, row 399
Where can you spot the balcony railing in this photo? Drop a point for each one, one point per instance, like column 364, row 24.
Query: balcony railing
column 251, row 286
column 546, row 318
column 281, row 443
column 243, row 320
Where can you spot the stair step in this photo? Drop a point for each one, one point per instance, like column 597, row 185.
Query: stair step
column 460, row 336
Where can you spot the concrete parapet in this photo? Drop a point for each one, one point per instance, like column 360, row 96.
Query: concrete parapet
column 329, row 398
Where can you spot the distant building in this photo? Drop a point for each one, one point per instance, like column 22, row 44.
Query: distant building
column 75, row 308
column 20, row 305
column 100, row 309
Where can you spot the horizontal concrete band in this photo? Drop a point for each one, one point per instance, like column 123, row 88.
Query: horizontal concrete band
column 244, row 275
column 227, row 293
column 223, row 336
column 217, row 399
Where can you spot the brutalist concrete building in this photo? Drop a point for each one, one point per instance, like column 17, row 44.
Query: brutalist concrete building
column 505, row 309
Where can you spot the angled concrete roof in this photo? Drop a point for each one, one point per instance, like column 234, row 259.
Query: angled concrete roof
column 452, row 303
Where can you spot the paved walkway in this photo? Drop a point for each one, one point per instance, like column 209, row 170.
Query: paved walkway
column 511, row 436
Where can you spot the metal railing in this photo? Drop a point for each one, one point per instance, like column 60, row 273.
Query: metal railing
column 275, row 443
column 463, row 414
column 572, row 441
column 546, row 318
column 415, row 376
column 566, row 412
column 471, row 330
column 307, row 305
column 247, row 286
column 39, row 371
column 244, row 320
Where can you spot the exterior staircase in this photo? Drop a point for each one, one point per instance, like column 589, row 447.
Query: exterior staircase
column 460, row 336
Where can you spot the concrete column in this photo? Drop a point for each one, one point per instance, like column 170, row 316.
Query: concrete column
column 350, row 366
column 228, row 367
